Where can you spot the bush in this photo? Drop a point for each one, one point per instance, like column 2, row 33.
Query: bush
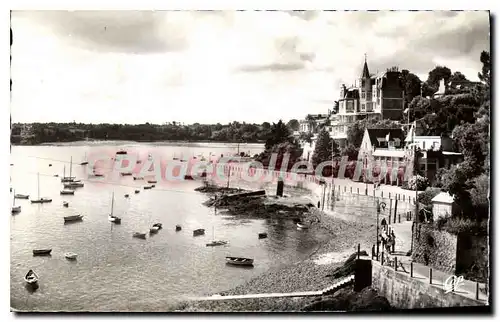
column 417, row 182
column 457, row 225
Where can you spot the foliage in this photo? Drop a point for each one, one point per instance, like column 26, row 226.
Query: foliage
column 351, row 151
column 63, row 132
column 458, row 225
column 480, row 193
column 279, row 133
column 306, row 137
column 426, row 196
column 293, row 125
column 280, row 149
column 436, row 75
column 417, row 182
column 323, row 150
column 411, row 84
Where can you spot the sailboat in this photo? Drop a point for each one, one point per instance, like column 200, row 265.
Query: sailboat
column 71, row 182
column 70, row 178
column 40, row 200
column 85, row 162
column 15, row 209
column 111, row 217
column 216, row 242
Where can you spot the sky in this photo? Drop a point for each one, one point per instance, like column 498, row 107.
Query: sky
column 221, row 66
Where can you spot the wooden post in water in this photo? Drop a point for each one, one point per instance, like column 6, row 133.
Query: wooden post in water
column 359, row 250
column 395, row 210
column 411, row 269
column 395, row 264
column 390, row 208
column 477, row 290
column 430, row 275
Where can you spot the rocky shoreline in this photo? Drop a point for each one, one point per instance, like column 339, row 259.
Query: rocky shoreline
column 314, row 273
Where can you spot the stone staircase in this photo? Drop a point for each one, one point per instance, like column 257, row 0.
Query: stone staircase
column 327, row 291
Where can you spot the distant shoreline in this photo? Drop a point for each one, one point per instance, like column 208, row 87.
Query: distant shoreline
column 104, row 142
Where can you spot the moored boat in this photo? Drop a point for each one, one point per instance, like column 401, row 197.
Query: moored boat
column 121, row 152
column 21, row 196
column 41, row 252
column 152, row 181
column 67, row 192
column 70, row 255
column 111, row 217
column 159, row 225
column 126, row 174
column 73, row 218
column 137, row 191
column 178, row 227
column 74, row 184
column 198, row 232
column 40, row 200
column 147, row 187
column 241, row 261
column 138, row 178
column 262, row 235
column 217, row 243
column 31, row 277
column 154, row 230
column 126, row 196
column 65, row 204
column 16, row 209
column 139, row 235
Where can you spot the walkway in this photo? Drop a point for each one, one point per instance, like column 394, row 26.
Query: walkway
column 329, row 290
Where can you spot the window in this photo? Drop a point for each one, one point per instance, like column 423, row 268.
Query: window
column 362, row 107
column 362, row 94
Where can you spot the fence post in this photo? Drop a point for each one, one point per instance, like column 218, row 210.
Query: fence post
column 430, row 275
column 453, row 284
column 404, row 197
column 373, row 251
column 382, row 194
column 411, row 269
column 389, row 195
column 395, row 264
column 359, row 250
column 477, row 290
column 382, row 259
column 399, row 218
column 351, row 189
column 358, row 191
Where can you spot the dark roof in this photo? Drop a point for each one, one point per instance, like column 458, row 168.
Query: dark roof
column 382, row 133
column 366, row 73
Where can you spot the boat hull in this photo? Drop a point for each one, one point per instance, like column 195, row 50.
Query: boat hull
column 71, row 256
column 301, row 226
column 41, row 252
column 16, row 209
column 41, row 201
column 239, row 261
column 139, row 235
column 73, row 218
column 199, row 232
column 22, row 196
column 115, row 219
column 31, row 278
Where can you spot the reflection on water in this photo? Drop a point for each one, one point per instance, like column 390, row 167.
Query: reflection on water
column 115, row 271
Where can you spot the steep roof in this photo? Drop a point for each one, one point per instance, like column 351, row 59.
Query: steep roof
column 382, row 133
column 366, row 73
column 443, row 197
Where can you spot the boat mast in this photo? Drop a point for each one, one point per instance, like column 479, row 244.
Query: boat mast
column 14, row 193
column 112, row 202
column 70, row 166
column 64, row 171
column 38, row 184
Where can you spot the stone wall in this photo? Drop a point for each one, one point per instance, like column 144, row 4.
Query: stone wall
column 472, row 257
column 434, row 248
column 404, row 292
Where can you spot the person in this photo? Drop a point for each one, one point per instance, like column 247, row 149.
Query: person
column 383, row 224
column 319, row 204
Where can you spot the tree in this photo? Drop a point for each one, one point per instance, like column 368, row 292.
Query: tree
column 351, row 151
column 484, row 76
column 293, row 125
column 411, row 85
column 312, row 123
column 355, row 133
column 279, row 133
column 323, row 150
column 436, row 75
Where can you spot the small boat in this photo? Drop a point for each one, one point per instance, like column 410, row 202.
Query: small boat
column 262, row 235
column 198, row 232
column 70, row 255
column 302, row 226
column 70, row 178
column 241, row 261
column 41, row 252
column 21, row 196
column 70, row 185
column 138, row 178
column 126, row 174
column 65, row 204
column 40, row 200
column 73, row 218
column 50, row 164
column 152, row 186
column 138, row 162
column 188, row 177
column 121, row 152
column 84, row 162
column 154, row 230
column 56, row 175
column 126, row 196
column 15, row 209
column 137, row 191
column 111, row 217
column 139, row 235
column 217, row 243
column 31, row 277
column 159, row 225
column 147, row 187
column 178, row 228
column 152, row 181
column 67, row 192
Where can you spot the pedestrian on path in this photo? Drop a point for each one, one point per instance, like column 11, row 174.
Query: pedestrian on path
column 384, row 224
